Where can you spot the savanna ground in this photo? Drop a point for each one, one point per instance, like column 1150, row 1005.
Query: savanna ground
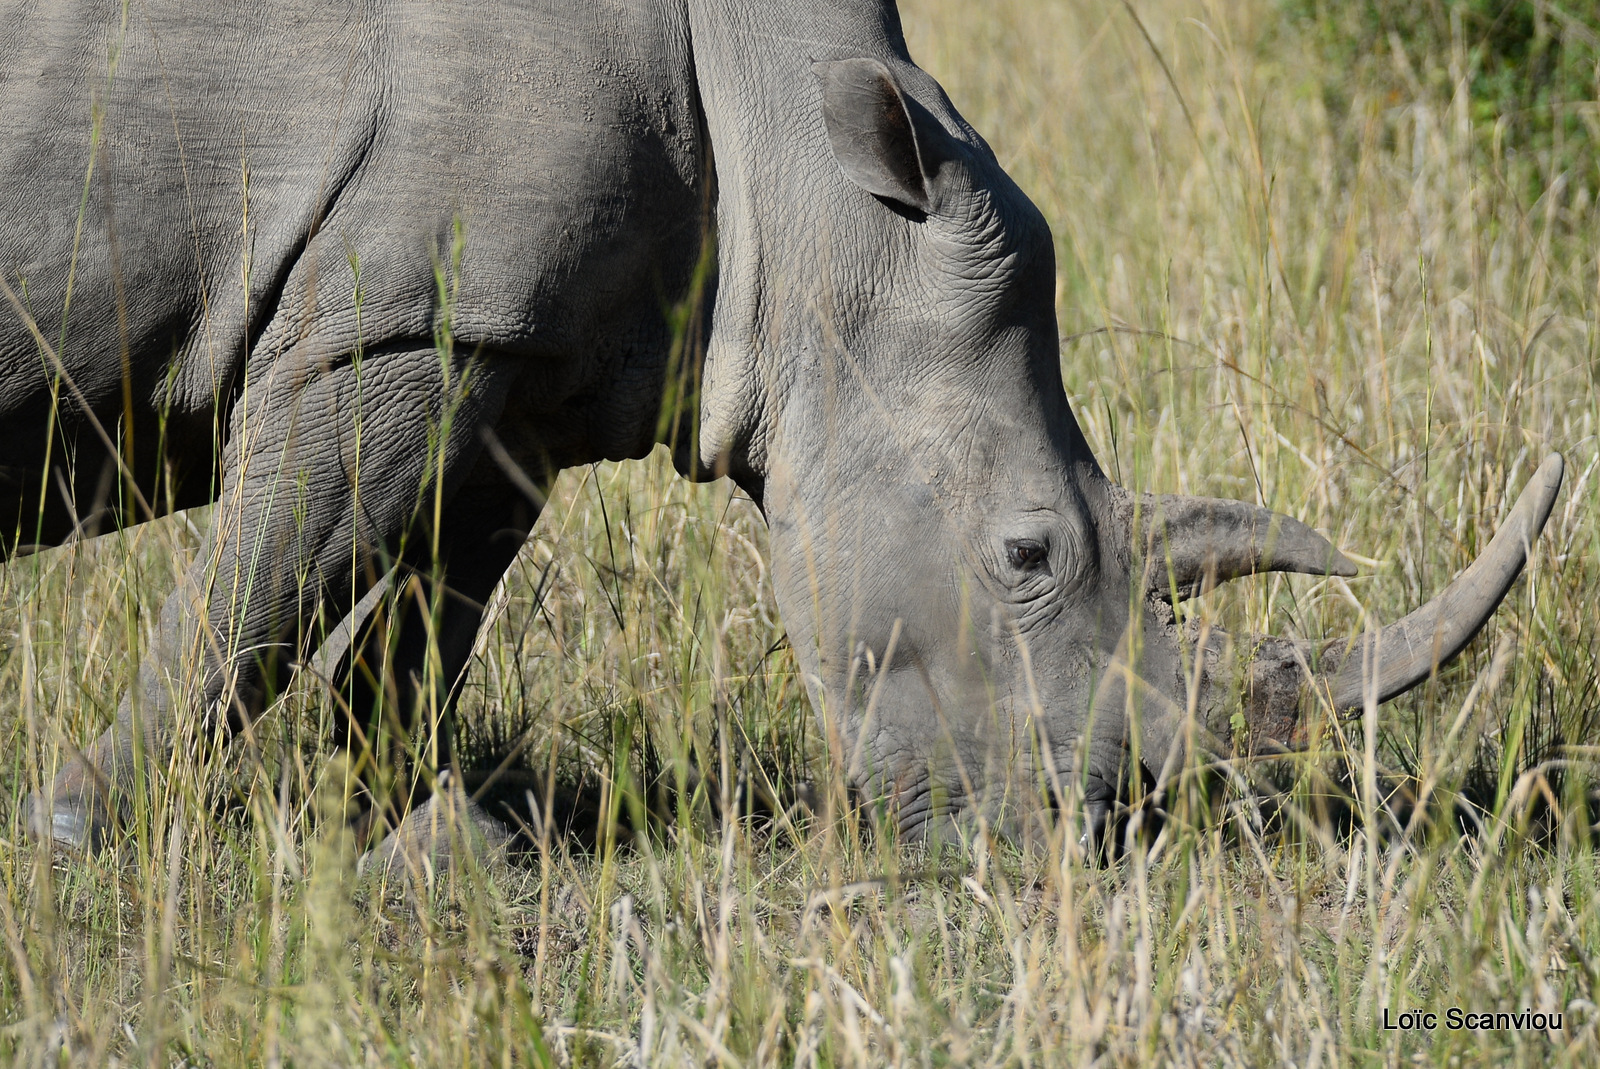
column 1337, row 259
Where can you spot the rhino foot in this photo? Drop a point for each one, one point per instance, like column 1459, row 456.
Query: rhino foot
column 447, row 828
column 75, row 825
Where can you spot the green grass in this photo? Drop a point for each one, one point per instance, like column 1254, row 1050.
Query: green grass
column 1359, row 316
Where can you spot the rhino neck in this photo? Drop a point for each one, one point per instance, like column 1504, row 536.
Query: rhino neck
column 781, row 229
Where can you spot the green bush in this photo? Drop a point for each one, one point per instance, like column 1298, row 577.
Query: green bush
column 1531, row 67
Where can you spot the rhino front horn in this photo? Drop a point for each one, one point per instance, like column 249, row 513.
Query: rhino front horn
column 1389, row 662
column 1386, row 663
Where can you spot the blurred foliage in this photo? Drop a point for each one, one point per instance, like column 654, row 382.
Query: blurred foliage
column 1530, row 68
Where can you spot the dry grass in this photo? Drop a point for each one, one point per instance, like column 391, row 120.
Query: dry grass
column 1357, row 319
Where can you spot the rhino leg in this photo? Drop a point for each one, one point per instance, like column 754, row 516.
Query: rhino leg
column 405, row 671
column 330, row 464
column 449, row 827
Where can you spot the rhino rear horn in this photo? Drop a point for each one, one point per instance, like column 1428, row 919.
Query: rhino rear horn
column 884, row 141
column 1193, row 543
column 1389, row 662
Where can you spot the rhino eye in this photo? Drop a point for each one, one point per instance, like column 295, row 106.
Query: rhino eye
column 1026, row 554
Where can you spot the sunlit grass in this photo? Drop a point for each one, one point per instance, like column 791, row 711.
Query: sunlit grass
column 1354, row 319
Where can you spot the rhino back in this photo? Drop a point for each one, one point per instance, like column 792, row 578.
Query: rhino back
column 194, row 192
column 544, row 166
column 125, row 172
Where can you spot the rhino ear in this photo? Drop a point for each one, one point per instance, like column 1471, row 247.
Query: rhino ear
column 882, row 139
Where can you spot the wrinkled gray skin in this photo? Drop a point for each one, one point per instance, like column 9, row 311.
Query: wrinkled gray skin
column 964, row 589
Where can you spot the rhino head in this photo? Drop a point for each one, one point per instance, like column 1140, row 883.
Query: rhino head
column 972, row 602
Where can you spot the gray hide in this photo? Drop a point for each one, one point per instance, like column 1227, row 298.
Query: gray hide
column 351, row 269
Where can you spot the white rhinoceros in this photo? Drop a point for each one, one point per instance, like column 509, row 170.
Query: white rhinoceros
column 351, row 267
